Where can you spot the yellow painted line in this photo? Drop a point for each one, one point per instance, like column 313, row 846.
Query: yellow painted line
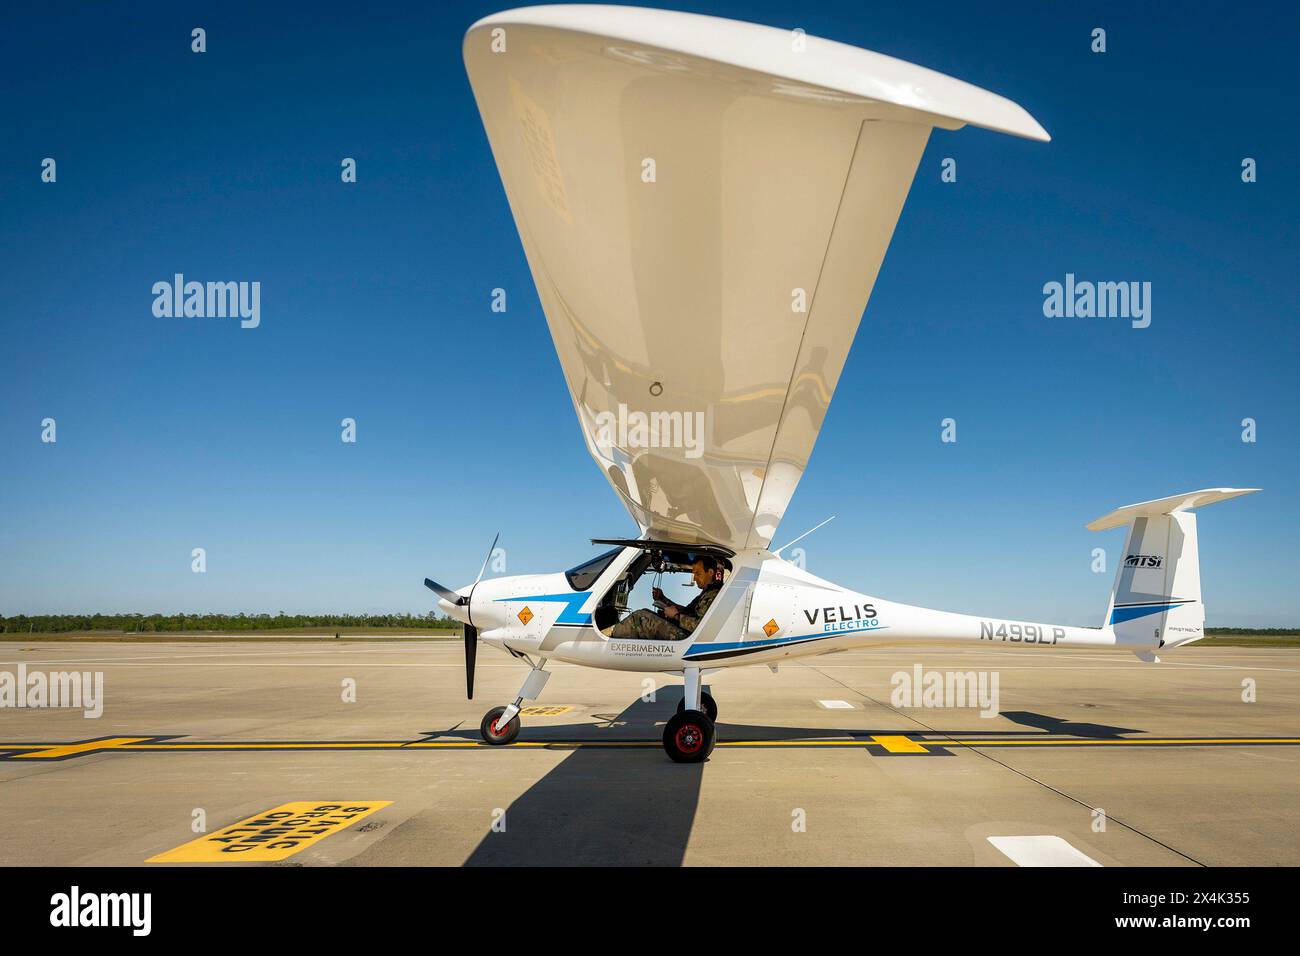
column 890, row 743
column 59, row 751
column 1113, row 741
column 545, row 710
column 274, row 834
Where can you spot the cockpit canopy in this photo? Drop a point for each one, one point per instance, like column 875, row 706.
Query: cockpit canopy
column 661, row 556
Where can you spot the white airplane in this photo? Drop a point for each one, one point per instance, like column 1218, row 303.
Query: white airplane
column 705, row 205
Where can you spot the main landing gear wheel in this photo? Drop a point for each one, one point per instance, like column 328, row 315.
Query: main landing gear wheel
column 498, row 735
column 706, row 700
column 689, row 737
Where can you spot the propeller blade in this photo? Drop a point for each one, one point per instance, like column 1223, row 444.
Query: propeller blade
column 471, row 651
column 488, row 558
column 445, row 593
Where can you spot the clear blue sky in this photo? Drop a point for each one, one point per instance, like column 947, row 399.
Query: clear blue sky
column 175, row 434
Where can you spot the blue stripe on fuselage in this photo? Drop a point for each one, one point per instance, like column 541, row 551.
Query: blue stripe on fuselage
column 572, row 602
column 773, row 642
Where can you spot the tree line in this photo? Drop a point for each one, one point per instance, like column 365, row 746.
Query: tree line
column 152, row 623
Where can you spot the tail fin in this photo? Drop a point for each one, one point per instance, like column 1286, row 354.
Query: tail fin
column 1156, row 601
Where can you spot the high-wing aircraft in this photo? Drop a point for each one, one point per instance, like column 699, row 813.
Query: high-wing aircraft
column 704, row 205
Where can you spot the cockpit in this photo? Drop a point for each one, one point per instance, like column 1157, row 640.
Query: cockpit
column 661, row 574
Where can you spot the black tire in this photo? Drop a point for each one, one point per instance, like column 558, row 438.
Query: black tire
column 689, row 737
column 707, row 702
column 489, row 722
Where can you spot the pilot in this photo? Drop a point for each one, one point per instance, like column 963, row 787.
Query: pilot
column 676, row 622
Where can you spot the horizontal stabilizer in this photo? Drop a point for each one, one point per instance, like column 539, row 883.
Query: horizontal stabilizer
column 1156, row 601
column 1164, row 506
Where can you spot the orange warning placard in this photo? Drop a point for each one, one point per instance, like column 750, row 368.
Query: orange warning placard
column 273, row 835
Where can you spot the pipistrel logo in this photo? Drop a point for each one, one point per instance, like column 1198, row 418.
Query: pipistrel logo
column 75, row 908
column 212, row 300
column 1103, row 300
column 76, row 690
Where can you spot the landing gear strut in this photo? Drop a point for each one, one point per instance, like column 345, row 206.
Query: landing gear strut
column 500, row 725
column 708, row 704
column 690, row 734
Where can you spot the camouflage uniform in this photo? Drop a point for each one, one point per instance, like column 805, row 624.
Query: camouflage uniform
column 647, row 625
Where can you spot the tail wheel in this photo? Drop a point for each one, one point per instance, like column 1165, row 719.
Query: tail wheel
column 493, row 732
column 707, row 702
column 689, row 737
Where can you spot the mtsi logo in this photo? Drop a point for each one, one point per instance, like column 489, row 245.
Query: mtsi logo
column 1143, row 561
column 103, row 909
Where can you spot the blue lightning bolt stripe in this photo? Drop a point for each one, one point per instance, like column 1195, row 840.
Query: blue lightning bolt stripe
column 570, row 614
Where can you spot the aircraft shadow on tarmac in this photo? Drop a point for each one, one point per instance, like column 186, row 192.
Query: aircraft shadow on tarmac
column 643, row 721
column 634, row 807
column 1058, row 726
column 607, row 807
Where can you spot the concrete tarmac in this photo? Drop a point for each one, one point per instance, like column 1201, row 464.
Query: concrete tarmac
column 1092, row 756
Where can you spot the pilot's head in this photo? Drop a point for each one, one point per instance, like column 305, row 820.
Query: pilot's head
column 703, row 571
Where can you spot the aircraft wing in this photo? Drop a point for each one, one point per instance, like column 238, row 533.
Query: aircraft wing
column 704, row 205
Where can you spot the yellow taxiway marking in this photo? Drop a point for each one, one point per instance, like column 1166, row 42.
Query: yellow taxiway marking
column 918, row 743
column 545, row 710
column 1169, row 741
column 60, row 751
column 273, row 834
column 900, row 745
column 897, row 743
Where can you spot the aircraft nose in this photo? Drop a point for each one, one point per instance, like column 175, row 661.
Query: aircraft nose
column 458, row 612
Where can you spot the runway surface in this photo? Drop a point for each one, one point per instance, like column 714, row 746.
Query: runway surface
column 365, row 753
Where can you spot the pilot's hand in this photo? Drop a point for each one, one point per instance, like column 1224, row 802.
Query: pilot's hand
column 658, row 596
column 670, row 612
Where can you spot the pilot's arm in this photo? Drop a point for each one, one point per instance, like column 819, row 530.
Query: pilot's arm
column 688, row 618
column 666, row 603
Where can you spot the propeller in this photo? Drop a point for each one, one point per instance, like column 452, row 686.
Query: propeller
column 447, row 594
column 471, row 652
column 488, row 558
column 471, row 632
column 460, row 600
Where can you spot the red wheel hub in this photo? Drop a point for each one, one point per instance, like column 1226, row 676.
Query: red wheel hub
column 690, row 738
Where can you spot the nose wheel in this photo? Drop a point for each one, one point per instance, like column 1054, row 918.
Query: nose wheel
column 707, row 702
column 689, row 737
column 494, row 732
